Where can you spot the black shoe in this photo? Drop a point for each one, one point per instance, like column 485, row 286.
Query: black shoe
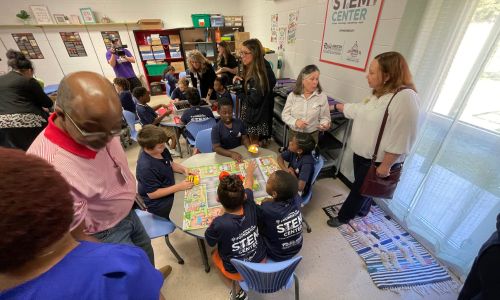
column 241, row 295
column 334, row 222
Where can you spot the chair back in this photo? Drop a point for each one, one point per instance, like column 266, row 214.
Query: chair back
column 155, row 226
column 269, row 277
column 204, row 141
column 130, row 118
column 194, row 127
column 318, row 165
column 167, row 88
column 182, row 74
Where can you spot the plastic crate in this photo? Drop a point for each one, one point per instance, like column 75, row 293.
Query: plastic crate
column 156, row 70
column 200, row 20
column 217, row 21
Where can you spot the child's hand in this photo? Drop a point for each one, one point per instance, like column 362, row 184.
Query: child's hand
column 237, row 78
column 251, row 168
column 236, row 156
column 187, row 172
column 185, row 185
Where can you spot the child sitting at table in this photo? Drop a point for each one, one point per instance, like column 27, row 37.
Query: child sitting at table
column 155, row 172
column 169, row 78
column 195, row 112
column 281, row 221
column 229, row 132
column 220, row 88
column 122, row 87
column 147, row 115
column 300, row 159
column 235, row 232
column 178, row 93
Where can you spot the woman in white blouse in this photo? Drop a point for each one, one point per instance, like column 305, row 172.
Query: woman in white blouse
column 306, row 108
column 387, row 74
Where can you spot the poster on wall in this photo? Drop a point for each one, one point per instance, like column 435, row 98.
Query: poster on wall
column 106, row 37
column 73, row 44
column 349, row 31
column 28, row 45
column 293, row 18
column 274, row 28
column 281, row 38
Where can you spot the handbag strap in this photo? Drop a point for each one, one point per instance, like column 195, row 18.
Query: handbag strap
column 384, row 121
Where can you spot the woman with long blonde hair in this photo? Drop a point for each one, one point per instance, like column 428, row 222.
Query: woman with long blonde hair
column 202, row 75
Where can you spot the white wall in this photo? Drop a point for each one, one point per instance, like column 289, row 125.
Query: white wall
column 340, row 83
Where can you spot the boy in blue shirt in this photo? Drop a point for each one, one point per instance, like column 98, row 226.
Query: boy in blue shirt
column 300, row 159
column 195, row 112
column 122, row 87
column 220, row 89
column 229, row 132
column 178, row 93
column 155, row 172
column 281, row 221
column 147, row 115
column 169, row 77
column 235, row 232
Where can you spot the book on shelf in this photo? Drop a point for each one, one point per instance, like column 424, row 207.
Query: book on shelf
column 158, row 52
column 175, row 51
column 164, row 40
column 174, row 39
column 178, row 65
column 146, row 52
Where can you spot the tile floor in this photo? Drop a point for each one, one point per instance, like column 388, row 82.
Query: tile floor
column 330, row 268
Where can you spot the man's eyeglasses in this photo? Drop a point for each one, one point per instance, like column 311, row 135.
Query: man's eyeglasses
column 93, row 135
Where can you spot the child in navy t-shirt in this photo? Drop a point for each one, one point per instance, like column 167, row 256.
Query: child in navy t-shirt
column 195, row 112
column 220, row 89
column 229, row 132
column 169, row 77
column 281, row 221
column 236, row 232
column 178, row 93
column 155, row 172
column 300, row 159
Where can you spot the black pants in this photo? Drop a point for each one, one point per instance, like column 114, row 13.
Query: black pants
column 355, row 203
column 20, row 138
column 162, row 208
column 134, row 82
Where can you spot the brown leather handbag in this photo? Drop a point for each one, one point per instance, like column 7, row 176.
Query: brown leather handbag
column 374, row 186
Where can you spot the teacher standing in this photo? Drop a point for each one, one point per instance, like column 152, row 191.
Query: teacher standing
column 306, row 108
column 388, row 74
column 202, row 75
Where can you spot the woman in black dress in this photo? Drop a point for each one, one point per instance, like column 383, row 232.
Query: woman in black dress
column 257, row 90
column 23, row 104
column 202, row 75
column 227, row 66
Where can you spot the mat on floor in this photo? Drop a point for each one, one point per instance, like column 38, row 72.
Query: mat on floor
column 394, row 259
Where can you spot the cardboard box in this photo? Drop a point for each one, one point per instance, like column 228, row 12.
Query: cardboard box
column 239, row 38
column 179, row 66
column 150, row 24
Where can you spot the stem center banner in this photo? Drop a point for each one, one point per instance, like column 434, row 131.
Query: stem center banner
column 348, row 33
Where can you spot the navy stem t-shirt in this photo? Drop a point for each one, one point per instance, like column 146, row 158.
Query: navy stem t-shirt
column 127, row 101
column 237, row 236
column 196, row 113
column 228, row 138
column 281, row 228
column 146, row 114
column 303, row 167
column 177, row 94
column 152, row 174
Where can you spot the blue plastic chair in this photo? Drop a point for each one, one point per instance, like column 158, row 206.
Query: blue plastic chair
column 130, row 118
column 204, row 141
column 318, row 165
column 194, row 127
column 269, row 277
column 157, row 226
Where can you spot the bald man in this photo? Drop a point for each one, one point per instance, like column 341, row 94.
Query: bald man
column 81, row 142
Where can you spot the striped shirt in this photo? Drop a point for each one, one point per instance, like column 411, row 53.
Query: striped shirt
column 102, row 185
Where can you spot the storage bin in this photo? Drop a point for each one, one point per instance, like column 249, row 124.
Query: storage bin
column 156, row 88
column 217, row 21
column 200, row 20
column 156, row 70
column 230, row 21
column 150, row 24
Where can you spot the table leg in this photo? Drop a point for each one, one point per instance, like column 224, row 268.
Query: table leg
column 177, row 133
column 203, row 250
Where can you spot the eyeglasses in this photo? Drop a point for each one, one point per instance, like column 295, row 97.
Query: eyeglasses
column 245, row 53
column 93, row 135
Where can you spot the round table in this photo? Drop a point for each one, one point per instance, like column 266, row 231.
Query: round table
column 199, row 160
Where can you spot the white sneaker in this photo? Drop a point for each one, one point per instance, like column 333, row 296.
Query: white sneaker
column 174, row 152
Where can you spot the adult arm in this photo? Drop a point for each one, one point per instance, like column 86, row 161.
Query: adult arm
column 209, row 78
column 111, row 57
column 128, row 56
column 38, row 95
column 324, row 116
column 401, row 131
column 286, row 114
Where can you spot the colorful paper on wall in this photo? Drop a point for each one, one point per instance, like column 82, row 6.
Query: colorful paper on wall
column 73, row 44
column 274, row 28
column 28, row 45
column 293, row 19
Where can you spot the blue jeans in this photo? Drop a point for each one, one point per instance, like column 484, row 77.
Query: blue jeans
column 128, row 231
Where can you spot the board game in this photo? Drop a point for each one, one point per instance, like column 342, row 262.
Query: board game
column 200, row 202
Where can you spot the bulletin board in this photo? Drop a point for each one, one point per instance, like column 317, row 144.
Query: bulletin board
column 28, row 45
column 348, row 32
column 106, row 37
column 73, row 44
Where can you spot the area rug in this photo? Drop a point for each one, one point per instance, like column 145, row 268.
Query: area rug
column 394, row 259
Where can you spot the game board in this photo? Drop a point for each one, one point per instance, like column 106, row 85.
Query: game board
column 200, row 203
